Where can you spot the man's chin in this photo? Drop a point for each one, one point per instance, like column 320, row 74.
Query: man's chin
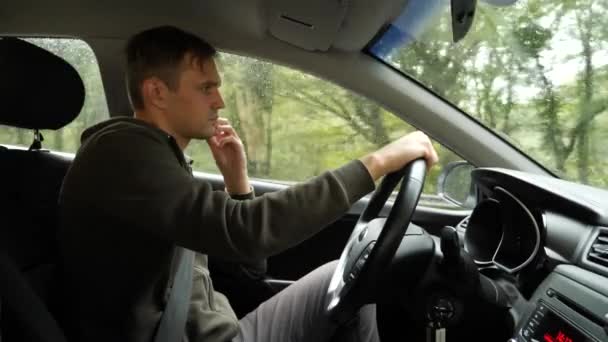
column 203, row 135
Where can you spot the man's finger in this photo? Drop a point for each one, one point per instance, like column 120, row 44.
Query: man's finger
column 435, row 157
column 212, row 141
column 226, row 129
column 227, row 140
column 223, row 121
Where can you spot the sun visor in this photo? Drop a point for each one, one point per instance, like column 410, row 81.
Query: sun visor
column 346, row 25
column 311, row 25
column 363, row 21
column 38, row 90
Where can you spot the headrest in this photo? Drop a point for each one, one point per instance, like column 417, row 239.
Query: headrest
column 38, row 90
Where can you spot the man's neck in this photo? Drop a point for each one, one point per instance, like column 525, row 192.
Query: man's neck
column 181, row 141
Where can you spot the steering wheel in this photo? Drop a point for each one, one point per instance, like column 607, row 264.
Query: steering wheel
column 373, row 242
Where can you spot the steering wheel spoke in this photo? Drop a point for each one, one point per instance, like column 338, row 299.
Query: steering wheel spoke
column 374, row 240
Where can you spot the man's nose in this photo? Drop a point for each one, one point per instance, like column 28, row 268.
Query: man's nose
column 219, row 101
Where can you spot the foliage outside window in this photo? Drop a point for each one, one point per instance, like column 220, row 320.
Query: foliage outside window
column 295, row 126
column 536, row 73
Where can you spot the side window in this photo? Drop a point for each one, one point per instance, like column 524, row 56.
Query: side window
column 295, row 126
column 94, row 110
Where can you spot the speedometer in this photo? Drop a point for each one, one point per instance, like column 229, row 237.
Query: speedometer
column 502, row 231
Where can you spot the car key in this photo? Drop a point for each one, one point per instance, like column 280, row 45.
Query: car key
column 436, row 329
column 435, row 332
column 440, row 334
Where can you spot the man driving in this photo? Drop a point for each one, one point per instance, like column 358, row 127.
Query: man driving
column 130, row 201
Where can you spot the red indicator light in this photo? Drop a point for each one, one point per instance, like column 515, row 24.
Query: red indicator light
column 560, row 337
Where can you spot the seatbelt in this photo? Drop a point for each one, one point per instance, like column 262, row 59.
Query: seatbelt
column 172, row 324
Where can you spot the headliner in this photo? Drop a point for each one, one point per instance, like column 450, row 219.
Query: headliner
column 221, row 22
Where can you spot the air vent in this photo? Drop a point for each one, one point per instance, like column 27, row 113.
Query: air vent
column 599, row 249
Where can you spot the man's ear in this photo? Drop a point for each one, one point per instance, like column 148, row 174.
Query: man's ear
column 155, row 92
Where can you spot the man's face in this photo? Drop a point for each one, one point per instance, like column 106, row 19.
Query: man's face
column 192, row 109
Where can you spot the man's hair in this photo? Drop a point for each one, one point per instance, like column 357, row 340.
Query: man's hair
column 159, row 52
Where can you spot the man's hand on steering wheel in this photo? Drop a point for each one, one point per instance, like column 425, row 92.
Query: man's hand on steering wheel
column 395, row 155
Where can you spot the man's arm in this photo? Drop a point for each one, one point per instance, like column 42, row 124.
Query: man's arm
column 136, row 180
column 229, row 154
column 250, row 269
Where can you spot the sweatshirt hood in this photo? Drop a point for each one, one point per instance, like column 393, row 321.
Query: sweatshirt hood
column 113, row 123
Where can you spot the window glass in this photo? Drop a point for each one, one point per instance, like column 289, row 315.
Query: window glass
column 295, row 126
column 535, row 72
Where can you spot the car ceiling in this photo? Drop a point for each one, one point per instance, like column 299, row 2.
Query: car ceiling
column 343, row 25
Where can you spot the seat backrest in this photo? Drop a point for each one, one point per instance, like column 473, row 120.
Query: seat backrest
column 24, row 316
column 39, row 91
column 31, row 181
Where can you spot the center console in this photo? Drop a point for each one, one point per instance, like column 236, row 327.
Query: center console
column 571, row 305
column 545, row 324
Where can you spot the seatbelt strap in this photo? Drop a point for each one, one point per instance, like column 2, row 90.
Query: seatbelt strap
column 172, row 324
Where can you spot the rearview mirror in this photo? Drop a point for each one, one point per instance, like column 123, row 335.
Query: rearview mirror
column 455, row 184
column 463, row 14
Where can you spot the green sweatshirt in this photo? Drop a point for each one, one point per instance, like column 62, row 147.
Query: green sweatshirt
column 129, row 198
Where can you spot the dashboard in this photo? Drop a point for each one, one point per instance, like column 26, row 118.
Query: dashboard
column 550, row 236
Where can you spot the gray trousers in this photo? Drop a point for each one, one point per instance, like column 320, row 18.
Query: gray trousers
column 297, row 314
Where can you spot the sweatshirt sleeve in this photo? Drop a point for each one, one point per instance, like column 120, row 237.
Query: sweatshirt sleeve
column 137, row 179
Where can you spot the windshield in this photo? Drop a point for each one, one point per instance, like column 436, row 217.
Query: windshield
column 534, row 72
